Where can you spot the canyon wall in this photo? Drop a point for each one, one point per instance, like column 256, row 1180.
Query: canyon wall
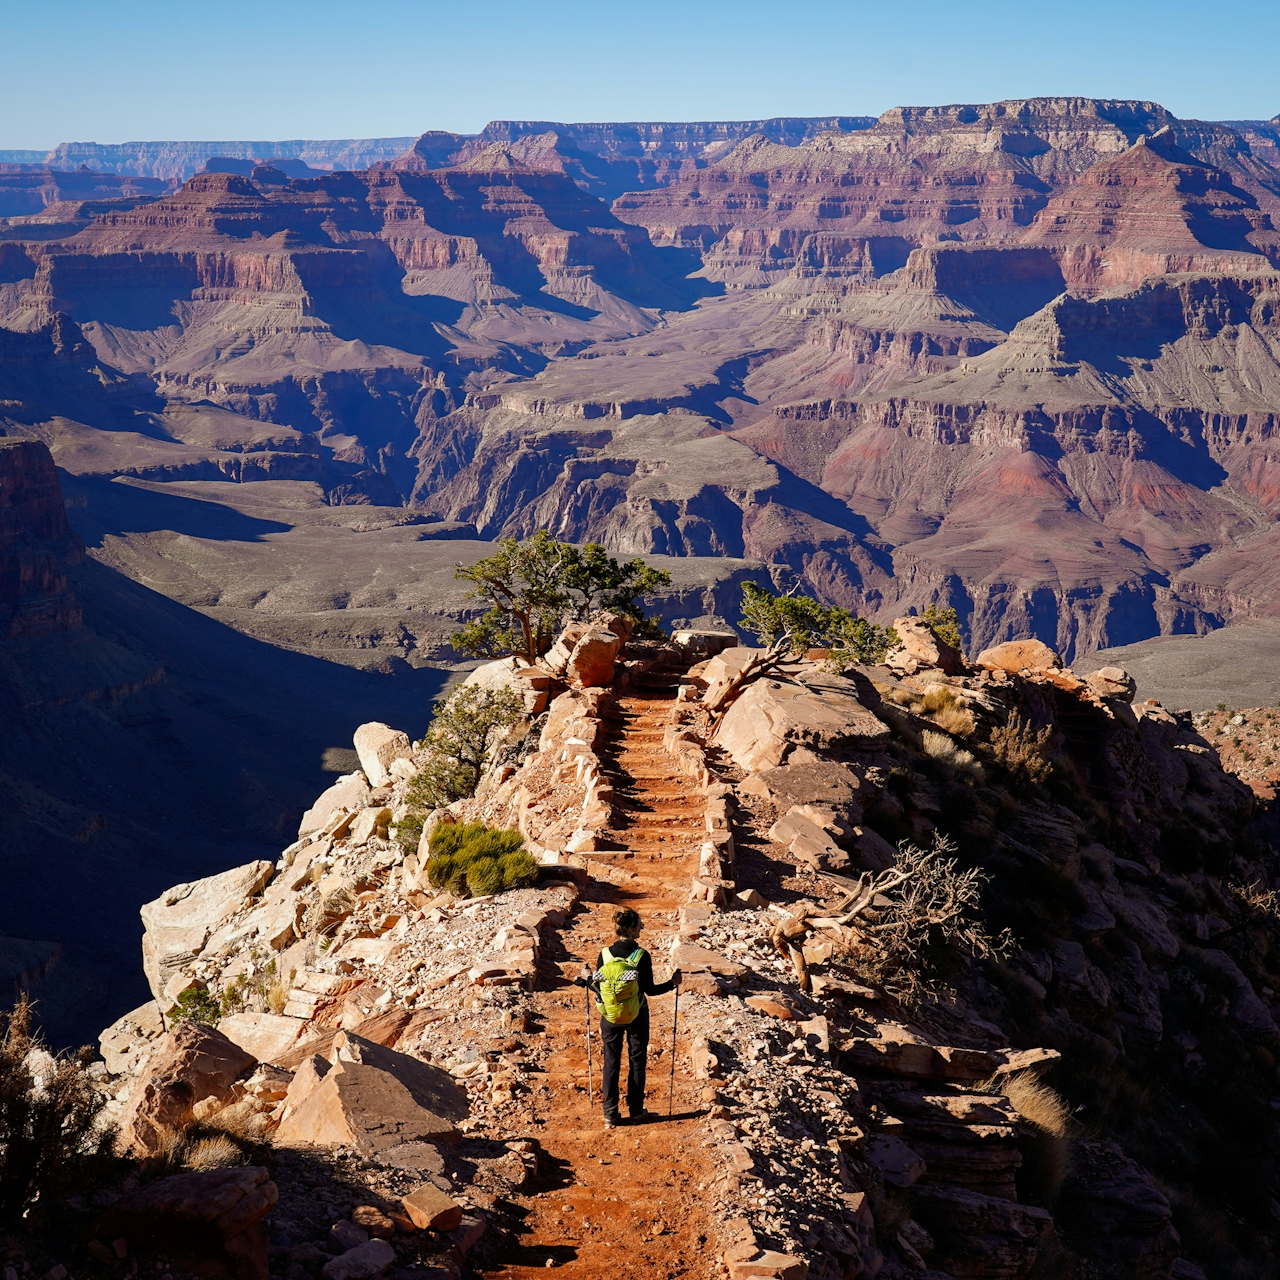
column 141, row 742
column 1017, row 357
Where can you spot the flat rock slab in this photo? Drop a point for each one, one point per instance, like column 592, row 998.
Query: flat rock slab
column 798, row 784
column 772, row 717
column 775, row 1006
column 385, row 1104
column 689, row 956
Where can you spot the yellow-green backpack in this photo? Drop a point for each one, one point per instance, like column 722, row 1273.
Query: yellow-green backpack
column 618, row 997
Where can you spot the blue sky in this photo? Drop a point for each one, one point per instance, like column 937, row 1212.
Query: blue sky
column 124, row 70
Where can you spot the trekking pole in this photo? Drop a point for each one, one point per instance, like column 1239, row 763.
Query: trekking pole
column 675, row 1018
column 590, row 1097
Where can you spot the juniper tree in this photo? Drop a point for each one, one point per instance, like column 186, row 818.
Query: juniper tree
column 533, row 587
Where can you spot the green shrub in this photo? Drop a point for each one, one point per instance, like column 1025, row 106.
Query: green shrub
column 472, row 858
column 196, row 1004
column 458, row 743
column 531, row 587
column 484, row 876
column 945, row 623
column 519, row 869
column 794, row 623
column 409, row 831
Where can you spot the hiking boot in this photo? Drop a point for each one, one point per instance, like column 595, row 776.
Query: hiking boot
column 641, row 1116
column 612, row 1122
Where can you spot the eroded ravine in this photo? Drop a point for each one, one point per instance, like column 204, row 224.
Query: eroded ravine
column 625, row 1202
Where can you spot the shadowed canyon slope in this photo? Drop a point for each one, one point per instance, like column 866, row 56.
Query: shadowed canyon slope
column 141, row 742
column 1020, row 358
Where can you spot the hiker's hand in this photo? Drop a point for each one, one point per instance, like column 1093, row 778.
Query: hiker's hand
column 677, row 978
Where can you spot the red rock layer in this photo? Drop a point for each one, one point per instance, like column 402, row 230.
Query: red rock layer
column 1151, row 211
column 923, row 174
column 36, row 545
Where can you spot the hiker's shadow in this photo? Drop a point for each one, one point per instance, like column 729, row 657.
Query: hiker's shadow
column 539, row 1255
column 656, row 1118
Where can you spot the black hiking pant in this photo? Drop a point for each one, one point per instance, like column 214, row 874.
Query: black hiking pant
column 637, row 1037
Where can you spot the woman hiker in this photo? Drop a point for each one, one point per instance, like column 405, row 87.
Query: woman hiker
column 622, row 982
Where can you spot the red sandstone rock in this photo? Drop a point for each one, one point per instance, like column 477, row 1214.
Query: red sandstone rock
column 1151, row 211
column 192, row 1063
column 430, row 1209
column 36, row 543
column 1020, row 655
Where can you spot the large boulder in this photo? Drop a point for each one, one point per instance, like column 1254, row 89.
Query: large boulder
column 388, row 1106
column 770, row 718
column 920, row 648
column 1020, row 655
column 1112, row 682
column 556, row 659
column 379, row 746
column 182, row 919
column 127, row 1043
column 690, row 957
column 210, row 1222
column 580, row 651
column 349, row 794
column 266, row 1037
column 591, row 662
column 530, row 684
column 192, row 1063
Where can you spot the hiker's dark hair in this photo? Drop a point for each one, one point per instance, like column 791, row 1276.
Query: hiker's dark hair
column 625, row 919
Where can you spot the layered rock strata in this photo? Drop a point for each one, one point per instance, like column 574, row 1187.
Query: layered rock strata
column 37, row 545
column 474, row 331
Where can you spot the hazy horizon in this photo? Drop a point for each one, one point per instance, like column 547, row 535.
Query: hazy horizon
column 282, row 70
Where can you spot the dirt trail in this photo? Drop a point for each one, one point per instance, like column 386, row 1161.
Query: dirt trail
column 629, row 1201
